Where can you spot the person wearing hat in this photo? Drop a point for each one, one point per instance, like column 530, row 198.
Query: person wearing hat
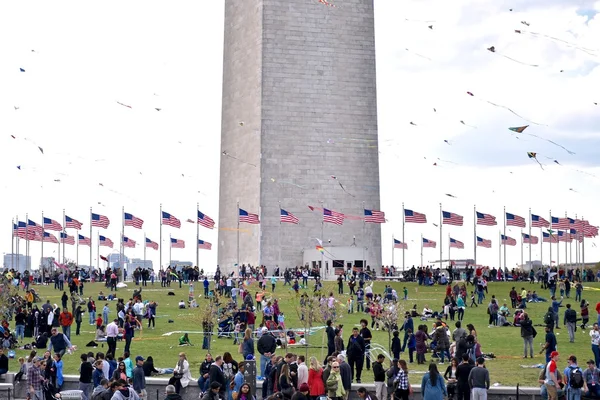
column 302, row 393
column 35, row 378
column 238, row 380
column 266, row 346
column 551, row 381
column 139, row 378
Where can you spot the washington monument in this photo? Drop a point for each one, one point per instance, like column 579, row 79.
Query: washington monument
column 299, row 129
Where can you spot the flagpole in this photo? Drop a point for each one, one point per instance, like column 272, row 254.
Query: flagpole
column 197, row 234
column 475, row 234
column 77, row 250
column 64, row 260
column 582, row 249
column 500, row 249
column 404, row 241
column 43, row 236
column 12, row 245
column 522, row 246
column 551, row 238
column 122, row 247
column 98, row 250
column 364, row 238
column 449, row 247
column 160, row 245
column 323, row 239
column 441, row 246
column 238, row 236
column 530, row 239
column 145, row 251
column 27, row 259
column 91, row 238
column 566, row 237
column 421, row 250
column 17, row 242
column 279, row 236
column 170, row 248
column 393, row 247
column 505, row 238
column 541, row 246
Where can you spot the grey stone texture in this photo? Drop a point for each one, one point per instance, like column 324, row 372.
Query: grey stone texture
column 300, row 75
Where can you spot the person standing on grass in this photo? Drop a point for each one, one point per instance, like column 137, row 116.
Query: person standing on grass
column 379, row 377
column 139, row 378
column 66, row 320
column 479, row 380
column 550, row 345
column 91, row 306
column 551, row 380
column 463, row 371
column 85, row 377
column 527, row 333
column 356, row 353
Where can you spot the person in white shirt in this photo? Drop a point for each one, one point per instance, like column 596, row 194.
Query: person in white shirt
column 112, row 332
column 302, row 371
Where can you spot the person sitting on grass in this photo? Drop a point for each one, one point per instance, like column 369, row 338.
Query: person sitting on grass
column 185, row 340
column 181, row 305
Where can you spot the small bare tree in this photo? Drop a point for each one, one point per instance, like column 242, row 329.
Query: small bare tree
column 388, row 317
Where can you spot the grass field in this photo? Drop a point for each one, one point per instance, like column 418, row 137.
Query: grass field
column 505, row 343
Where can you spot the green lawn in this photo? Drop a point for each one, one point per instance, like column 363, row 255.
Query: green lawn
column 505, row 343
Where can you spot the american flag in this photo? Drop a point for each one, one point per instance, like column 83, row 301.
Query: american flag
column 100, row 221
column 72, row 223
column 204, row 245
column 560, row 223
column 333, row 217
column 286, row 216
column 589, row 230
column 576, row 224
column 374, row 216
column 82, row 240
column 168, row 219
column 151, row 244
column 539, row 222
column 128, row 242
column 486, row 219
column 33, row 227
column 104, row 241
column 563, row 236
column 549, row 238
column 575, row 234
column 515, row 220
column 66, row 239
column 530, row 239
column 428, row 243
column 23, row 232
column 450, row 218
column 48, row 238
column 191, row 221
column 205, row 220
column 414, row 217
column 481, row 242
column 131, row 220
column 457, row 244
column 508, row 241
column 247, row 217
column 52, row 225
column 177, row 244
column 399, row 245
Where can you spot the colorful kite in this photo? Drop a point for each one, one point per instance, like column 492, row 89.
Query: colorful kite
column 506, row 108
column 342, row 186
column 520, row 129
column 533, row 155
column 493, row 50
column 325, row 2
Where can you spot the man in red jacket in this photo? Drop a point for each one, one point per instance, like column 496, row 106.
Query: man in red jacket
column 65, row 319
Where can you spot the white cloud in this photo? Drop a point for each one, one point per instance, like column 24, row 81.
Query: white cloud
column 151, row 55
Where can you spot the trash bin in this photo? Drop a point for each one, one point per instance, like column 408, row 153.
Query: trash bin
column 71, row 394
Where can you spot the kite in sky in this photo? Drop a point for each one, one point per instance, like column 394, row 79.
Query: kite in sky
column 451, row 195
column 342, row 186
column 521, row 129
column 157, row 109
column 21, row 69
column 533, row 155
column 506, row 108
column 226, row 154
column 418, row 55
column 124, row 105
column 493, row 50
column 325, row 2
column 470, row 126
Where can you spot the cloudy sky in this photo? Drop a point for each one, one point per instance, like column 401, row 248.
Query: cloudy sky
column 80, row 60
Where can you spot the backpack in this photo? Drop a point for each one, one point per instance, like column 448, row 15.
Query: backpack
column 548, row 318
column 576, row 378
column 571, row 315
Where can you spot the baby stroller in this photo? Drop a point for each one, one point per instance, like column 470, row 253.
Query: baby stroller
column 225, row 328
column 271, row 325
